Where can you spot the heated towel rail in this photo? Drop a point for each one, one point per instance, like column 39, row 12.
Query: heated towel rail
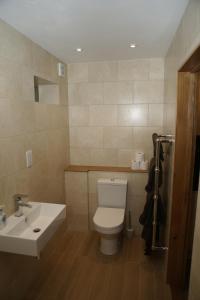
column 160, row 139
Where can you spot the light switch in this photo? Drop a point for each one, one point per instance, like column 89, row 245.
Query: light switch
column 29, row 159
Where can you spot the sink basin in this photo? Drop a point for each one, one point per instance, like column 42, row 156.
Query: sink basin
column 29, row 233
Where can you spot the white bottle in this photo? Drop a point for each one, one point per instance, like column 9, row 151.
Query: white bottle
column 2, row 218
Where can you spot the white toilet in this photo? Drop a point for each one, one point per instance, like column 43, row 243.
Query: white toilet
column 109, row 216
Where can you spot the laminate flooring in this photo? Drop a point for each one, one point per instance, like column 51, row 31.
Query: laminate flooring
column 72, row 268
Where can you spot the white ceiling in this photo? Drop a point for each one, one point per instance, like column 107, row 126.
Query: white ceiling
column 103, row 28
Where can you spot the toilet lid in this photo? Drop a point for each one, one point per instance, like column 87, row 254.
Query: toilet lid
column 109, row 217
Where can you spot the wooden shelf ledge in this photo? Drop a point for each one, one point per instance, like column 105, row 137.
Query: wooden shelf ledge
column 77, row 168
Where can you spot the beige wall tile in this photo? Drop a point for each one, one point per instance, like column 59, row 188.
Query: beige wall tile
column 95, row 93
column 126, row 70
column 7, row 190
column 22, row 117
column 41, row 117
column 85, row 93
column 156, row 68
column 5, row 118
column 136, row 186
column 76, row 197
column 117, row 137
column 117, row 93
column 80, row 156
column 124, row 157
column 26, row 125
column 142, row 137
column 78, row 72
column 133, row 115
column 156, row 115
column 6, row 157
column 87, row 137
column 103, row 157
column 78, row 115
column 134, row 69
column 102, row 71
column 128, row 87
column 28, row 93
column 148, row 91
column 103, row 115
column 136, row 205
column 141, row 69
column 76, row 92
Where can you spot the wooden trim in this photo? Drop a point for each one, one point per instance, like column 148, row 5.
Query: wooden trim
column 76, row 168
column 182, row 180
column 193, row 63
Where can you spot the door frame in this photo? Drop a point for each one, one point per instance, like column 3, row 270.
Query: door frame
column 182, row 204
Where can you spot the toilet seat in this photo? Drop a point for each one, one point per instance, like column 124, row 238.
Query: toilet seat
column 109, row 220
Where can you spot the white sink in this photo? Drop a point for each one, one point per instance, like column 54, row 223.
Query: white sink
column 18, row 235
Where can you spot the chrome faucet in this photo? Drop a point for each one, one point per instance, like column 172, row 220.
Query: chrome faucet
column 19, row 204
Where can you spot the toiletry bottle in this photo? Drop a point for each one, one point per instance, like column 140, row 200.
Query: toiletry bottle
column 2, row 217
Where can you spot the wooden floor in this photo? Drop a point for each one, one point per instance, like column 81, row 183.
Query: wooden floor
column 71, row 268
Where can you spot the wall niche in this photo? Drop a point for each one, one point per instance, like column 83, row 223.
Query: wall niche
column 45, row 91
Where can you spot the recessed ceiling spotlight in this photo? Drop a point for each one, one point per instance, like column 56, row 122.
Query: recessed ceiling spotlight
column 132, row 45
column 79, row 49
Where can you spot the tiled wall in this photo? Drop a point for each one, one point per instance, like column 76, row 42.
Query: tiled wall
column 81, row 197
column 186, row 40
column 114, row 107
column 76, row 189
column 27, row 125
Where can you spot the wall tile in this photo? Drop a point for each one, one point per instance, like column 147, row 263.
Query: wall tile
column 103, row 71
column 6, row 158
column 156, row 115
column 124, row 157
column 133, row 115
column 78, row 115
column 134, row 69
column 95, row 93
column 78, row 72
column 148, row 91
column 85, row 93
column 77, row 197
column 79, row 156
column 117, row 137
column 117, row 93
column 89, row 137
column 5, row 118
column 103, row 115
column 103, row 157
column 7, row 190
column 156, row 68
column 26, row 125
column 142, row 137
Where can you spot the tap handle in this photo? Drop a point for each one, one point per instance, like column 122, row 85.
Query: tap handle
column 18, row 197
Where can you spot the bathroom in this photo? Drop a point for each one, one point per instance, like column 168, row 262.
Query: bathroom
column 82, row 90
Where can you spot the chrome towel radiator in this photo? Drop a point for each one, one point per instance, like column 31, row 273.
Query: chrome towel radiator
column 160, row 139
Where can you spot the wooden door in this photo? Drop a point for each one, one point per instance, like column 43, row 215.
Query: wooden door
column 184, row 201
column 184, row 195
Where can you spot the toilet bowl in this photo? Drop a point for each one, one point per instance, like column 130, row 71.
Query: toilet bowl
column 109, row 216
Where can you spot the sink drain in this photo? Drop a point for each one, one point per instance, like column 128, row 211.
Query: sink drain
column 36, row 230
